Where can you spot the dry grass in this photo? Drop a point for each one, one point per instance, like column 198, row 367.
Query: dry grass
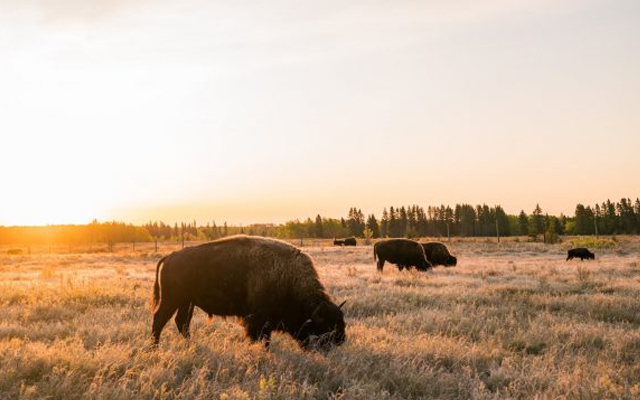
column 512, row 321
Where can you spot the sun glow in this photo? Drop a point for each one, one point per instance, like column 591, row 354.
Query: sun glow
column 269, row 115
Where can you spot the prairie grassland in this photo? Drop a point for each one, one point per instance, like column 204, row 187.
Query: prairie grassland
column 511, row 321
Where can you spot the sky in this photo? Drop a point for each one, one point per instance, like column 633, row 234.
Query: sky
column 254, row 111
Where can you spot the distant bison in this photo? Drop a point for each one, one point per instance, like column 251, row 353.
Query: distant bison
column 581, row 253
column 270, row 284
column 350, row 241
column 405, row 253
column 438, row 254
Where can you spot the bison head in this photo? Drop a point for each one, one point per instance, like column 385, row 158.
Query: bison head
column 326, row 327
column 452, row 261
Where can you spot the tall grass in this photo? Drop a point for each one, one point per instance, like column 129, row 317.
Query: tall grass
column 511, row 321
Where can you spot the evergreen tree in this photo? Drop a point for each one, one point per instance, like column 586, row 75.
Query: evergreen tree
column 503, row 221
column 351, row 222
column 423, row 224
column 372, row 225
column 448, row 219
column 579, row 224
column 551, row 235
column 590, row 221
column 627, row 216
column 360, row 223
column 310, row 228
column 412, row 221
column 318, row 228
column 384, row 223
column 523, row 223
column 457, row 220
column 394, row 226
column 536, row 223
column 356, row 222
column 467, row 220
column 584, row 221
column 611, row 218
column 558, row 225
column 403, row 222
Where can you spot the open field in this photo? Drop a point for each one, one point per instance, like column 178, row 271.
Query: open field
column 511, row 321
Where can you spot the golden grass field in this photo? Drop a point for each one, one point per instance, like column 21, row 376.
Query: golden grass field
column 511, row 321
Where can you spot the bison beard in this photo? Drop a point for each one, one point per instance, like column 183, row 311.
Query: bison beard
column 270, row 284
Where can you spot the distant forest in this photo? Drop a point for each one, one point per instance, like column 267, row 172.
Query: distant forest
column 463, row 220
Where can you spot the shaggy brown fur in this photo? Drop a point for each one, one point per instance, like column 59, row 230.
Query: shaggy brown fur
column 405, row 253
column 580, row 253
column 270, row 284
column 350, row 241
column 438, row 254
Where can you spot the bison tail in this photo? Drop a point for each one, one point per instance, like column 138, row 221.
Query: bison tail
column 156, row 287
column 375, row 255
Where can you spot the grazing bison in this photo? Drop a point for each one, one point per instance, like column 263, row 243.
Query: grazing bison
column 405, row 253
column 350, row 241
column 438, row 254
column 270, row 284
column 581, row 253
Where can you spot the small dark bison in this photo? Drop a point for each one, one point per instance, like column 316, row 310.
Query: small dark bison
column 271, row 285
column 350, row 241
column 438, row 254
column 581, row 253
column 405, row 253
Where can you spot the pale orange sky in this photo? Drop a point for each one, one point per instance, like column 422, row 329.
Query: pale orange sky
column 251, row 111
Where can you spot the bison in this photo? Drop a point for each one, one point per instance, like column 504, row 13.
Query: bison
column 581, row 253
column 405, row 253
column 350, row 241
column 271, row 285
column 438, row 254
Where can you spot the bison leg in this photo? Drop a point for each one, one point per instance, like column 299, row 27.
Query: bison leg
column 161, row 316
column 258, row 329
column 183, row 319
column 380, row 264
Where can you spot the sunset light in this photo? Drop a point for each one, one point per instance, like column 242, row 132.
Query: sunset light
column 153, row 110
column 319, row 200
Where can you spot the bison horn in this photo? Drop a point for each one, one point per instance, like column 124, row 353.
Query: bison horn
column 341, row 304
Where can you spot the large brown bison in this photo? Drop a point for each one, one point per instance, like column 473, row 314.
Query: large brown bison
column 438, row 254
column 270, row 284
column 405, row 253
column 580, row 253
column 350, row 241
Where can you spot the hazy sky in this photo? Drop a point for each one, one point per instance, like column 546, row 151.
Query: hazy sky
column 253, row 111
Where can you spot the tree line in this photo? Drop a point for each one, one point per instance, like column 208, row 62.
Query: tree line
column 462, row 220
